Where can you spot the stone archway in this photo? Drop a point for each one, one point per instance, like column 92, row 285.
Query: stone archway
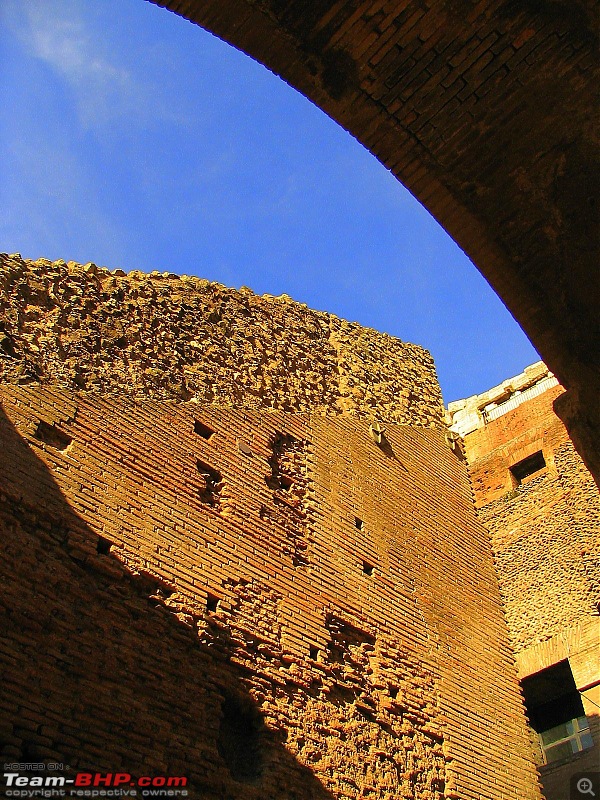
column 485, row 111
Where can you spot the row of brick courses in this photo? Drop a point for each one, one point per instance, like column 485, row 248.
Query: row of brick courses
column 430, row 660
column 546, row 531
column 301, row 554
column 167, row 337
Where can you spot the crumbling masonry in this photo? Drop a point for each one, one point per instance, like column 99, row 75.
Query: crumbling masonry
column 541, row 506
column 209, row 567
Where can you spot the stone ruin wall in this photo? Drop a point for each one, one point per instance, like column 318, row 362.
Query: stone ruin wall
column 546, row 539
column 545, row 532
column 268, row 603
column 168, row 337
column 359, row 641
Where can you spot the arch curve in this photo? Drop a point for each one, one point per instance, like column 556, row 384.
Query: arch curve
column 486, row 112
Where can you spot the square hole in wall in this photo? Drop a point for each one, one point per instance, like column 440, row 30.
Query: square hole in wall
column 212, row 603
column 103, row 546
column 556, row 714
column 359, row 523
column 286, row 482
column 367, row 568
column 241, row 740
column 313, row 652
column 51, row 435
column 203, row 430
column 526, row 469
column 212, row 484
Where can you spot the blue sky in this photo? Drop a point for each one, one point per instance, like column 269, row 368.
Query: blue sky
column 131, row 138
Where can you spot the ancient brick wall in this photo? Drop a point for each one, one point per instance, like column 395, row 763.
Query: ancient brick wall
column 185, row 338
column 267, row 603
column 546, row 531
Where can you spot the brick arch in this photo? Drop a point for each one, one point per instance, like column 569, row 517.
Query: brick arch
column 485, row 112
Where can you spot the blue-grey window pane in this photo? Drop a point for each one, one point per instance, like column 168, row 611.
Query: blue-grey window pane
column 559, row 751
column 586, row 741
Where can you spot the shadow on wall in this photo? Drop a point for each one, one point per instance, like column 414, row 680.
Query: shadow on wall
column 99, row 675
column 578, row 776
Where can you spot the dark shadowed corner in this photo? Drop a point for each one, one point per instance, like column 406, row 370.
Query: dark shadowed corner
column 98, row 675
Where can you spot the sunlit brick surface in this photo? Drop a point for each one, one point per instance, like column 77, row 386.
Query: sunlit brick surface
column 168, row 337
column 545, row 533
column 398, row 683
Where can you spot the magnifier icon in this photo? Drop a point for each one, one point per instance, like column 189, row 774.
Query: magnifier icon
column 585, row 786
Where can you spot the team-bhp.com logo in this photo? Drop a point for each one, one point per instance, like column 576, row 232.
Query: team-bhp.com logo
column 95, row 784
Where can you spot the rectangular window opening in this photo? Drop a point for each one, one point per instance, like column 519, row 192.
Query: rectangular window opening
column 103, row 546
column 367, row 568
column 523, row 470
column 555, row 712
column 212, row 603
column 203, row 430
column 313, row 653
column 359, row 523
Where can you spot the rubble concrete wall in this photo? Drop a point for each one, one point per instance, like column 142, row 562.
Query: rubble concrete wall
column 185, row 338
column 546, row 540
column 546, row 531
column 267, row 603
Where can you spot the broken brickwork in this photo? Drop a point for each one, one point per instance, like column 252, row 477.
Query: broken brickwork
column 147, row 620
column 267, row 602
column 168, row 337
column 544, row 524
column 542, row 508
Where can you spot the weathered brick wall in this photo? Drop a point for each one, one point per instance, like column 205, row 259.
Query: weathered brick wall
column 546, row 539
column 545, row 532
column 185, row 338
column 336, row 598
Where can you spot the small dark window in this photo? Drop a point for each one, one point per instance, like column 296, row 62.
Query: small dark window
column 527, row 467
column 555, row 712
column 313, row 652
column 358, row 523
column 367, row 568
column 203, row 430
column 212, row 603
column 51, row 435
column 103, row 546
column 239, row 740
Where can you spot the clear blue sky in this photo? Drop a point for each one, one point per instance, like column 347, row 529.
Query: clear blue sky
column 131, row 138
